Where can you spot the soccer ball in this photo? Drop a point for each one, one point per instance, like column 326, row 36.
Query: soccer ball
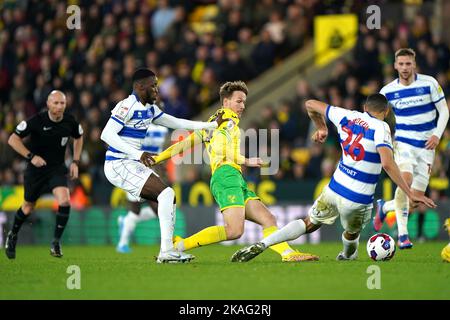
column 381, row 247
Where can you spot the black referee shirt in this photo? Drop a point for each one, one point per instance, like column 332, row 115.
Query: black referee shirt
column 49, row 139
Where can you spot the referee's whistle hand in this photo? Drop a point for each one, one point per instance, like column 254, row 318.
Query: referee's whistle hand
column 38, row 162
column 73, row 171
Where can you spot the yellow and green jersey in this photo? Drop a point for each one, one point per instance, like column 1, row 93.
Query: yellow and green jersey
column 223, row 143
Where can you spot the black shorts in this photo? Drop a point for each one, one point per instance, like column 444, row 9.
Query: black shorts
column 40, row 181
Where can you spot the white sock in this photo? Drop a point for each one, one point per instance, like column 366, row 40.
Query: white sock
column 174, row 214
column 350, row 246
column 388, row 206
column 401, row 211
column 129, row 224
column 166, row 217
column 291, row 231
column 146, row 213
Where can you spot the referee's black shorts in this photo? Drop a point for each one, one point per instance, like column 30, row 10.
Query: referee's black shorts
column 38, row 181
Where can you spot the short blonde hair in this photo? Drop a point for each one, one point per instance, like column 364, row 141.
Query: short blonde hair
column 405, row 52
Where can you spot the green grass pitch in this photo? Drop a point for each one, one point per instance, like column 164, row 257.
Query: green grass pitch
column 412, row 274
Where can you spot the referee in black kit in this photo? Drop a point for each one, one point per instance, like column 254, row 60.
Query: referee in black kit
column 49, row 132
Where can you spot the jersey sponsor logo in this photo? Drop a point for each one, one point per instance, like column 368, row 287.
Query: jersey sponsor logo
column 64, row 141
column 80, row 130
column 47, row 128
column 22, row 126
column 417, row 101
column 141, row 124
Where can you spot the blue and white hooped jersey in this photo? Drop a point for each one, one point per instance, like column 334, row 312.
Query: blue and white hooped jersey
column 155, row 138
column 360, row 134
column 135, row 119
column 414, row 108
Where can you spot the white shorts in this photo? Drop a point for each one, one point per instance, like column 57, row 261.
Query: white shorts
column 416, row 161
column 132, row 198
column 128, row 175
column 330, row 205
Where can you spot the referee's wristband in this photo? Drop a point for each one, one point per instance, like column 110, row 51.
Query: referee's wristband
column 77, row 162
column 29, row 156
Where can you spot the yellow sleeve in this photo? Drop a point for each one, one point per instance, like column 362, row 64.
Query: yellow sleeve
column 179, row 147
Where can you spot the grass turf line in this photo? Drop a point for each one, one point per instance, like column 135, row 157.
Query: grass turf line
column 412, row 274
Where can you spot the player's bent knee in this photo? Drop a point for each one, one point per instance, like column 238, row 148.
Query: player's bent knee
column 234, row 233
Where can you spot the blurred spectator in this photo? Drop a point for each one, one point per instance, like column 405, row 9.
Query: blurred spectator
column 175, row 105
column 263, row 54
column 162, row 18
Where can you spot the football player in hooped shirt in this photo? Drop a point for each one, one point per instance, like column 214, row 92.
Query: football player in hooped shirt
column 421, row 115
column 127, row 165
column 366, row 149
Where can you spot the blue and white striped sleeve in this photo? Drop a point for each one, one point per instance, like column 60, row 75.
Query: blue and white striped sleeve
column 156, row 112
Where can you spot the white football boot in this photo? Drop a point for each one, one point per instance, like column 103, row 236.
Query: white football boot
column 174, row 256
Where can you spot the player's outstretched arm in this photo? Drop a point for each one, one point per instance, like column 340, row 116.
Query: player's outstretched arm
column 316, row 111
column 177, row 123
column 179, row 147
column 391, row 168
column 111, row 137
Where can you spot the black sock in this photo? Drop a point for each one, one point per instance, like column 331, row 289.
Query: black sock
column 61, row 220
column 19, row 219
column 420, row 222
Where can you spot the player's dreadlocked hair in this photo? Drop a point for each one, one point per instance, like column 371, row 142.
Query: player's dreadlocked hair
column 227, row 89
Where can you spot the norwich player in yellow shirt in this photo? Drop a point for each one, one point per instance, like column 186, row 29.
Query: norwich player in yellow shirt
column 445, row 253
column 236, row 201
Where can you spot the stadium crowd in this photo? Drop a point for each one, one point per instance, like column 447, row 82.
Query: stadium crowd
column 193, row 46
